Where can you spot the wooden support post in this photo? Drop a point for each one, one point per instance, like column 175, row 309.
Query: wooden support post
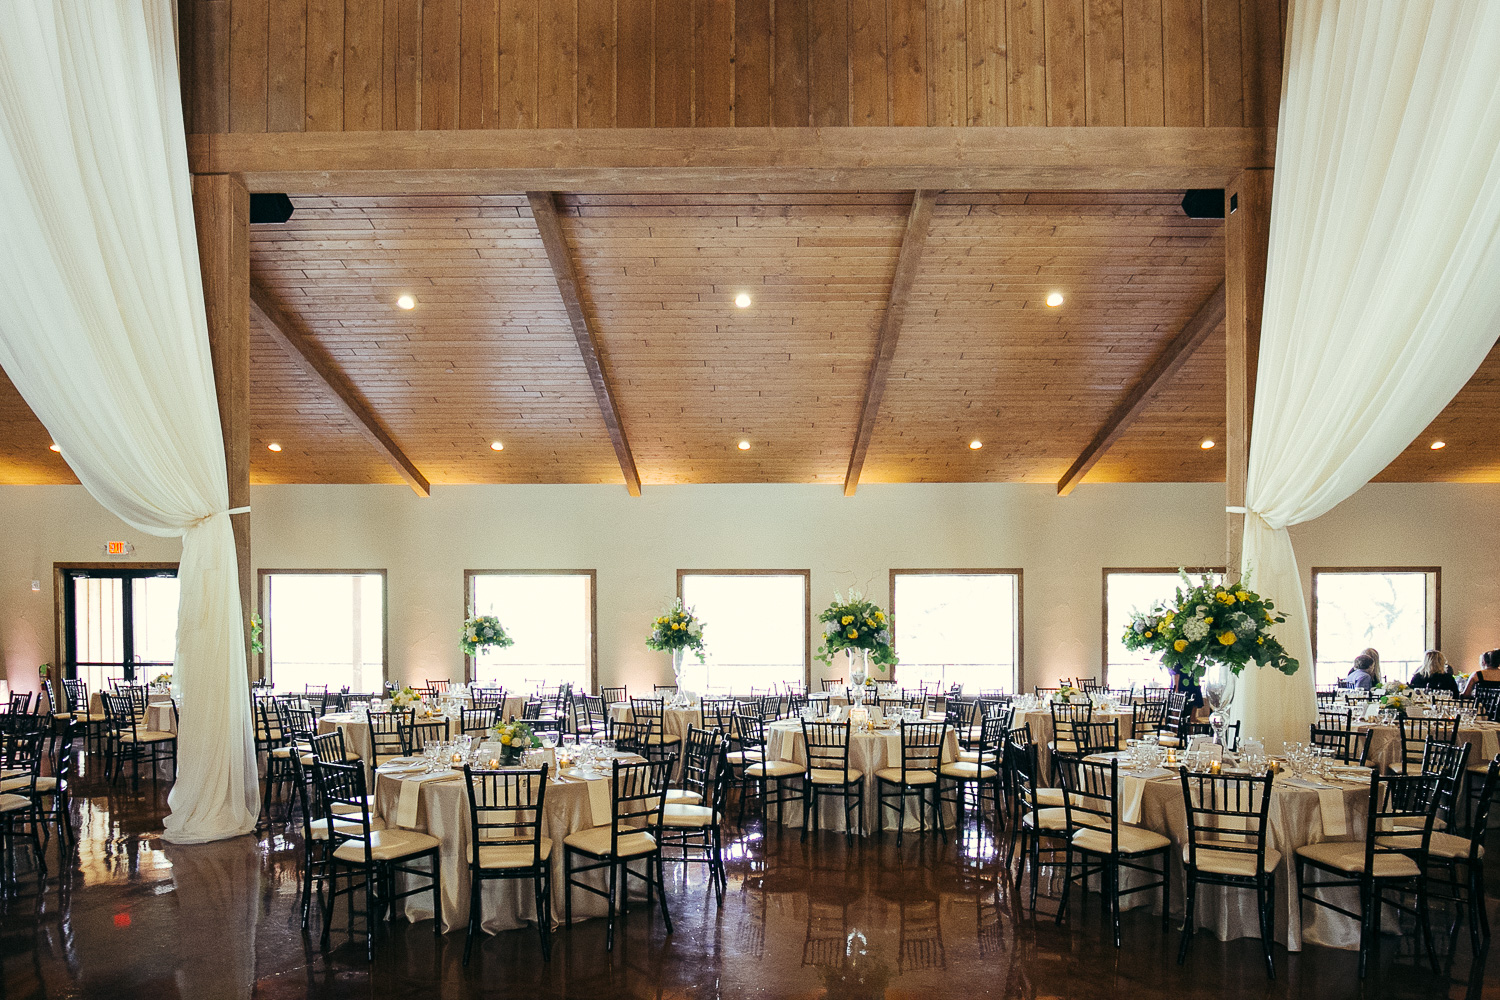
column 1247, row 237
column 221, row 207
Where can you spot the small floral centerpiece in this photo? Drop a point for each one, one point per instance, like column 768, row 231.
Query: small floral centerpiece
column 484, row 632
column 1065, row 694
column 404, row 698
column 1395, row 703
column 1390, row 688
column 515, row 739
column 162, row 680
column 1207, row 624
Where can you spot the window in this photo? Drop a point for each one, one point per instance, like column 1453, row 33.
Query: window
column 1393, row 610
column 324, row 627
column 958, row 627
column 755, row 628
column 549, row 614
column 118, row 623
column 1127, row 591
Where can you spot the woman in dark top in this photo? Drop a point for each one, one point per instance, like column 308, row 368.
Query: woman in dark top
column 1488, row 674
column 1435, row 674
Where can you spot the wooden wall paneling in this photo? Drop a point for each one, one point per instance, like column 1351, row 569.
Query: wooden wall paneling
column 752, row 63
column 597, row 52
column 713, row 64
column 1247, row 237
column 440, row 63
column 210, row 66
column 516, row 64
column 1223, row 79
column 325, row 66
column 869, row 64
column 544, row 211
column 478, row 63
column 1145, row 93
column 221, row 212
column 789, row 71
column 1261, row 55
column 988, row 69
column 1182, row 45
column 947, row 63
column 633, row 32
column 1104, row 62
column 364, row 61
column 1026, row 63
column 407, row 49
column 1161, row 373
column 908, row 46
column 828, row 63
column 1066, row 93
column 557, row 64
column 249, row 34
column 673, row 65
column 908, row 262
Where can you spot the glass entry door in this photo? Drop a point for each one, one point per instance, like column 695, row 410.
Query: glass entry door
column 119, row 624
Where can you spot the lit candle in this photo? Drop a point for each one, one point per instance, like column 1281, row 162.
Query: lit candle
column 1214, row 767
column 458, row 758
column 1171, row 756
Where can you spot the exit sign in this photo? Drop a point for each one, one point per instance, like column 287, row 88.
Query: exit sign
column 117, row 548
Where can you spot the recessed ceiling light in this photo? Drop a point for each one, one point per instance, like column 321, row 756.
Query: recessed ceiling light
column 1439, row 445
column 406, row 302
column 1207, row 444
column 273, row 446
column 54, row 447
column 496, row 446
column 744, row 446
column 742, row 300
column 975, row 445
column 1054, row 299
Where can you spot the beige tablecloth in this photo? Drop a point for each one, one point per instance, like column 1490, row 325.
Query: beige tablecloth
column 161, row 716
column 868, row 753
column 1040, row 721
column 674, row 721
column 1385, row 743
column 1297, row 818
column 442, row 810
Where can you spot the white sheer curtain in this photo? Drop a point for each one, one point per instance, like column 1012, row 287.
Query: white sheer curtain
column 1383, row 281
column 102, row 330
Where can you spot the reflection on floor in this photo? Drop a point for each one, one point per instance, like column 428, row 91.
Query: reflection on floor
column 132, row 916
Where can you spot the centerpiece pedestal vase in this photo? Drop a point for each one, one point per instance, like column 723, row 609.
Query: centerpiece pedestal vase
column 681, row 699
column 859, row 672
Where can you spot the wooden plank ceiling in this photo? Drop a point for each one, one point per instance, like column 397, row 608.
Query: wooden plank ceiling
column 488, row 353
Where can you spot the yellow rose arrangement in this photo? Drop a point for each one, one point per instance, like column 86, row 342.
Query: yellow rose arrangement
column 1208, row 623
column 856, row 623
column 677, row 629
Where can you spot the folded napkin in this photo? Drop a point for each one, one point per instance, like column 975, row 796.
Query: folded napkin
column 601, row 802
column 411, row 794
column 1132, row 792
column 1330, row 804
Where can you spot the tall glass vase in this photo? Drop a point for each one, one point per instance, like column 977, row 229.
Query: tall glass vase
column 681, row 699
column 859, row 670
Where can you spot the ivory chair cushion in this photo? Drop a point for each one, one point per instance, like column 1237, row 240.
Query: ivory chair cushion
column 833, row 776
column 345, row 827
column 893, row 774
column 688, row 817
column 1231, row 862
column 512, row 855
column 1132, row 840
column 1349, row 856
column 968, row 771
column 147, row 736
column 773, row 769
column 387, row 845
column 596, row 841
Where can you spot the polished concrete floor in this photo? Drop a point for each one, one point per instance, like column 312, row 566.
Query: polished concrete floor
column 132, row 916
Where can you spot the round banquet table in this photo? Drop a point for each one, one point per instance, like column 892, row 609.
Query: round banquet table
column 356, row 729
column 161, row 716
column 674, row 721
column 1299, row 816
column 440, row 807
column 1385, row 743
column 868, row 753
column 1040, row 722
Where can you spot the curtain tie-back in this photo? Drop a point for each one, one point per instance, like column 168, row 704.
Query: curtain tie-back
column 238, row 510
column 1227, row 510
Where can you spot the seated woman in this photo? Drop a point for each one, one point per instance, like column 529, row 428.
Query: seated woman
column 1435, row 674
column 1361, row 675
column 1488, row 674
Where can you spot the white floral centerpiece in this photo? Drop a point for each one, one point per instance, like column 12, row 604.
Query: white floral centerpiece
column 860, row 630
column 404, row 698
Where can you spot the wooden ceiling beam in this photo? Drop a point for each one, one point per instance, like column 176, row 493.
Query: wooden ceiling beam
column 1169, row 362
column 734, row 160
column 918, row 221
column 299, row 345
column 544, row 210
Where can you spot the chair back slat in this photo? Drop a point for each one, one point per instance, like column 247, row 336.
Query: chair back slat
column 476, row 721
column 1417, row 733
column 1227, row 813
column 506, row 808
column 827, row 746
column 922, row 747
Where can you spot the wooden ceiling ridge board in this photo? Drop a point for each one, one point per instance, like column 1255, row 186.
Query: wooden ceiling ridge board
column 918, row 222
column 300, row 347
column 752, row 160
column 1208, row 318
column 544, row 210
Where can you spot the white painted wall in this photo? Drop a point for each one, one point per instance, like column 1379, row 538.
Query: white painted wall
column 638, row 544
